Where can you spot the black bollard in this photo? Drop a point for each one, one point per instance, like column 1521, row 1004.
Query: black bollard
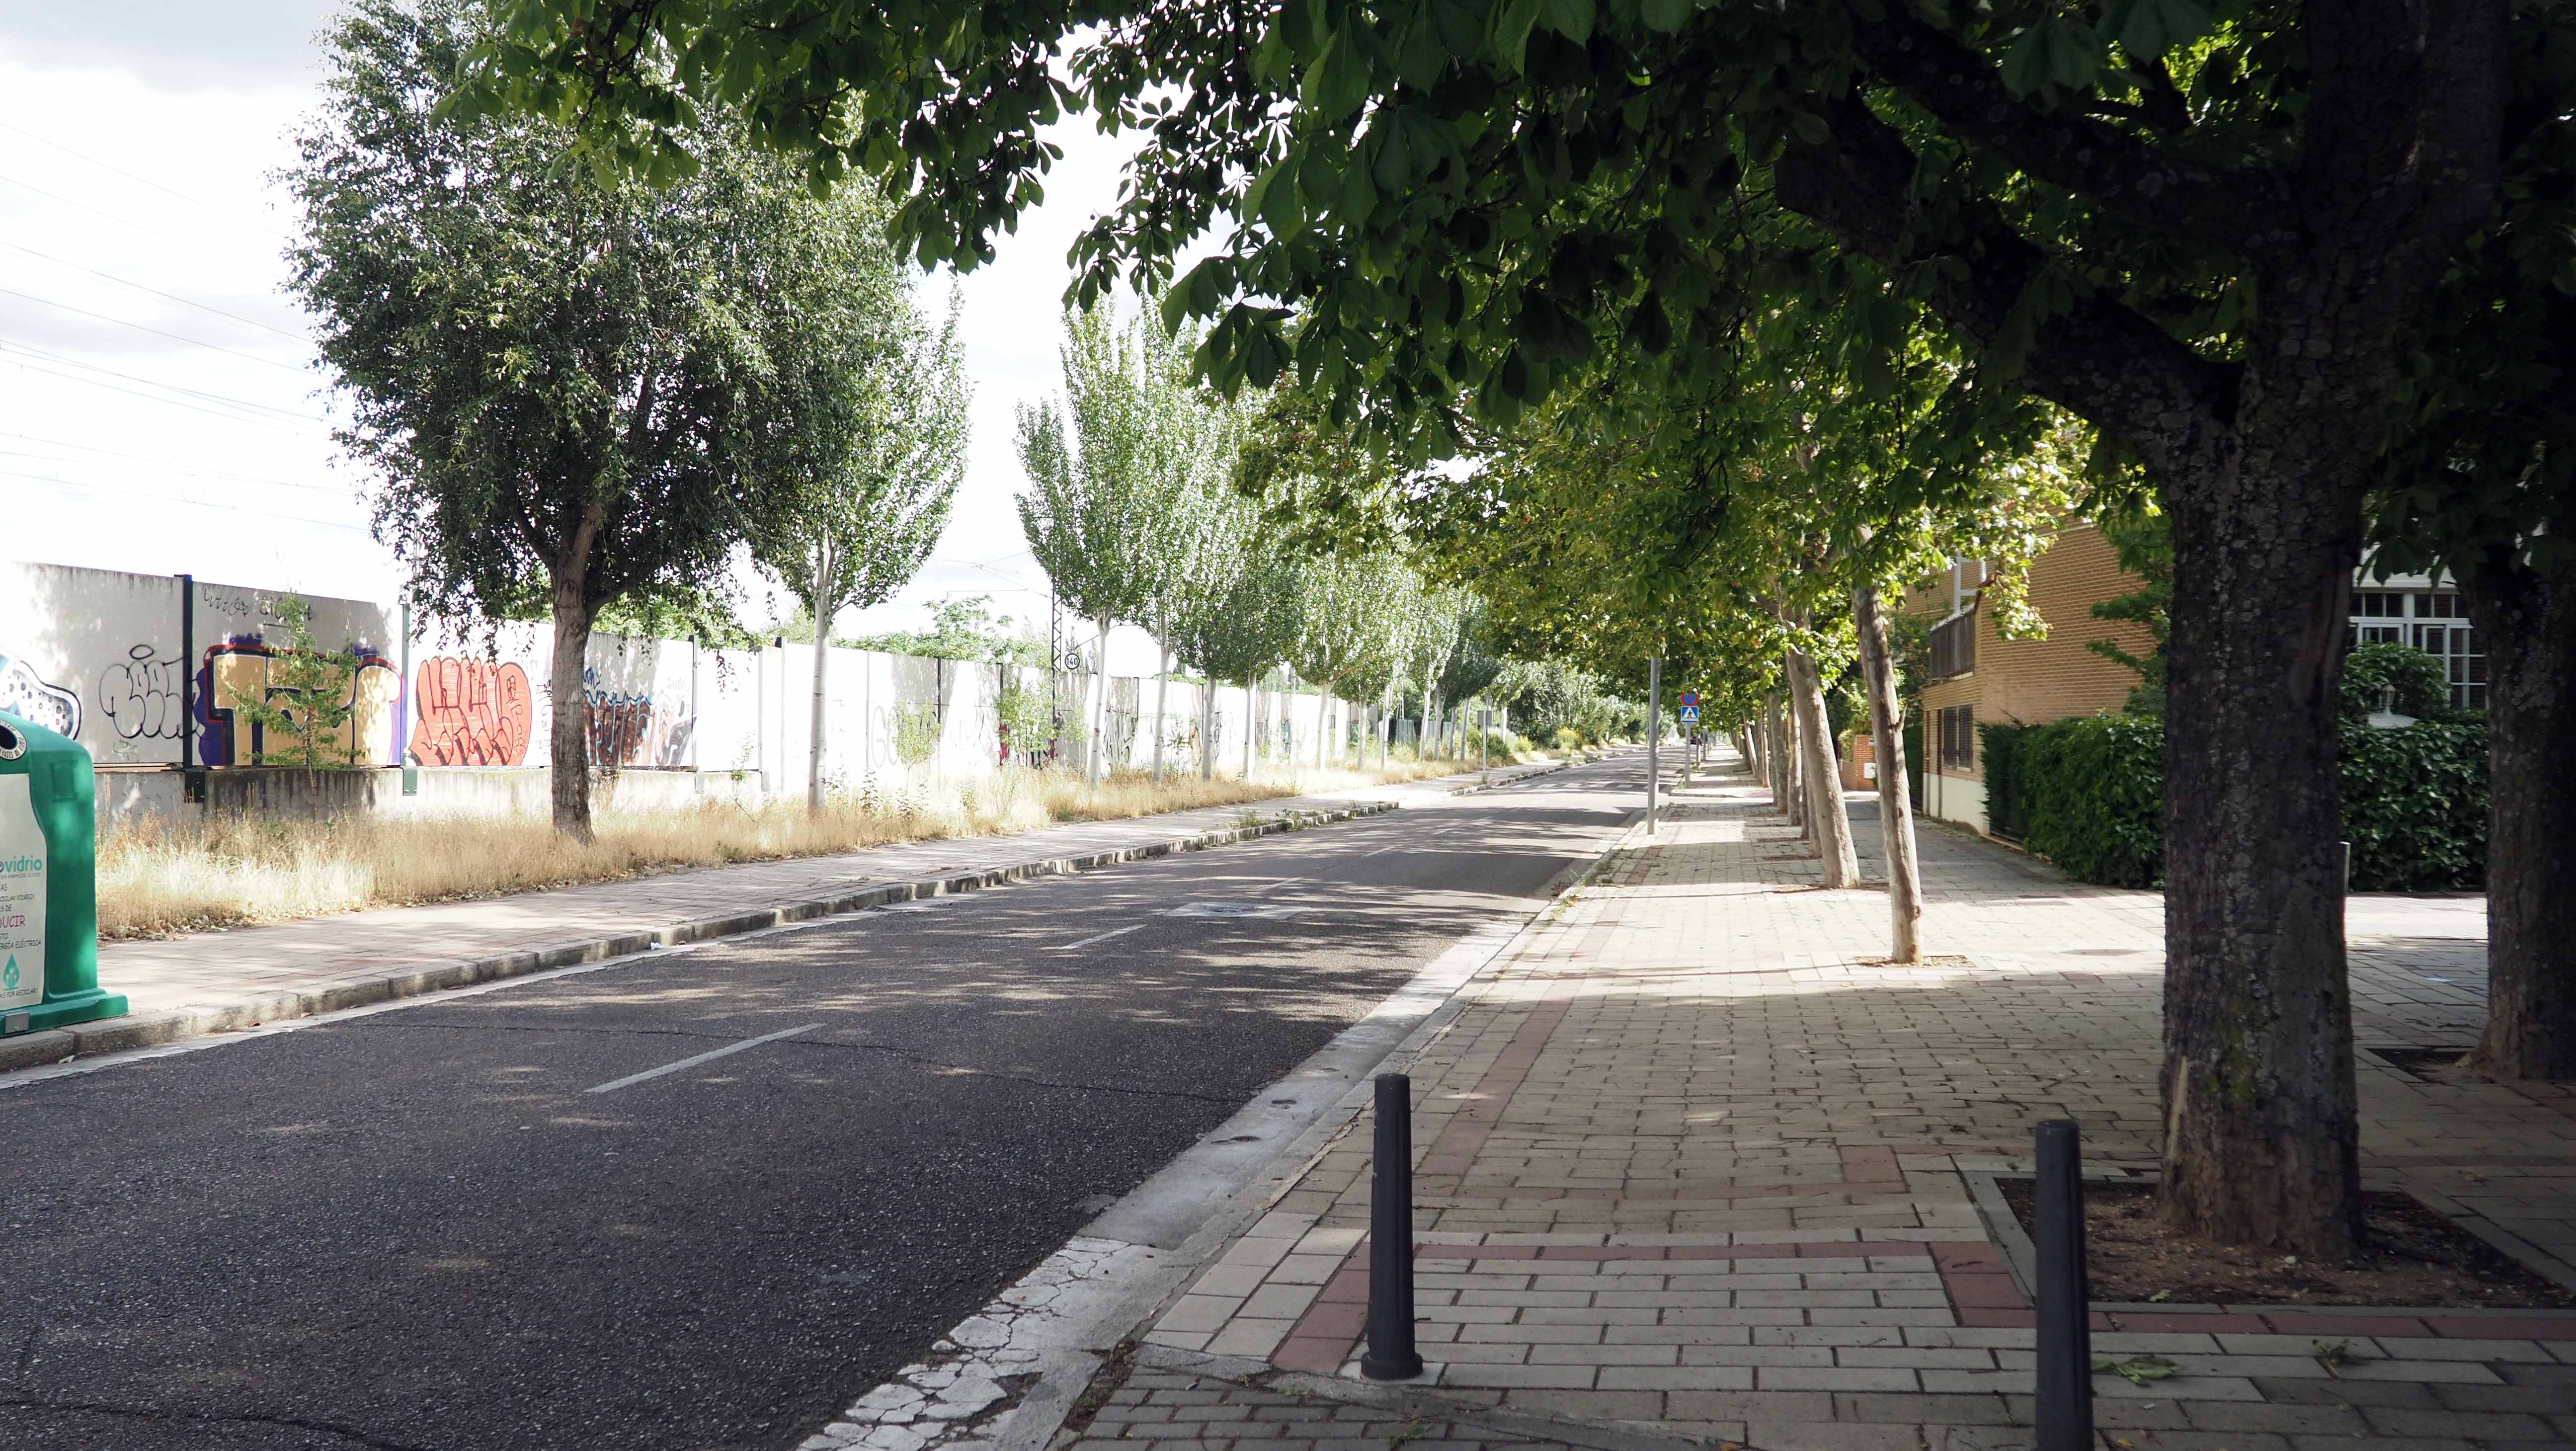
column 2065, row 1323
column 1390, row 1354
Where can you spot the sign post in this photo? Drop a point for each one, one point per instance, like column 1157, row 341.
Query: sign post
column 1690, row 735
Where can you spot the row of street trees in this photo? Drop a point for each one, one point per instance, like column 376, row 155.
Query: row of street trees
column 583, row 391
column 1133, row 511
column 2209, row 231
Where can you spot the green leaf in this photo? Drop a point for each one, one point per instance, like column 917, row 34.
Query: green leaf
column 1665, row 15
column 2053, row 52
column 1572, row 19
column 1512, row 22
column 2156, row 26
column 1339, row 79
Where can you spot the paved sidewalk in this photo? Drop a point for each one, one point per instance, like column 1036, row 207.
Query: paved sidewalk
column 188, row 986
column 1697, row 1163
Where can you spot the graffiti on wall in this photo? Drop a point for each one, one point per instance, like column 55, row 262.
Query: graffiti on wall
column 31, row 697
column 143, row 695
column 472, row 713
column 239, row 670
column 628, row 729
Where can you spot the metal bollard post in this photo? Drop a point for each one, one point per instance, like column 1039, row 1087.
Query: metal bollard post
column 1390, row 1354
column 2065, row 1324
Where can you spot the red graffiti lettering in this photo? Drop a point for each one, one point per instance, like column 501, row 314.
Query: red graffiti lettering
column 473, row 713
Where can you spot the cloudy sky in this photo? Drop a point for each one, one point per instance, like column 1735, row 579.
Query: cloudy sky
column 158, row 411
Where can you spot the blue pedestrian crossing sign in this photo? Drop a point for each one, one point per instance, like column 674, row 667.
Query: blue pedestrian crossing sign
column 1690, row 713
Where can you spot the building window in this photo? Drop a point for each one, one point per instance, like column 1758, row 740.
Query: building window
column 1956, row 728
column 1954, row 645
column 2433, row 621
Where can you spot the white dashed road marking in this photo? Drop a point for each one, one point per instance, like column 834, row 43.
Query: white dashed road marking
column 710, row 1055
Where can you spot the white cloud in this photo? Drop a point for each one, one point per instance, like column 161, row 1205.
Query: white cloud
column 141, row 142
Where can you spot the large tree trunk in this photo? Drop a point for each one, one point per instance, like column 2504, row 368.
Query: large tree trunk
column 1895, row 811
column 1100, row 707
column 2261, row 1138
column 1829, row 824
column 2526, row 620
column 568, row 738
column 2260, row 456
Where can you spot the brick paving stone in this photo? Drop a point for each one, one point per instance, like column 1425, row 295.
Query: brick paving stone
column 1693, row 1153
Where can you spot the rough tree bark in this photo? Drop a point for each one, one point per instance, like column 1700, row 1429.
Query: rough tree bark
column 568, row 738
column 1895, row 809
column 2526, row 619
column 1829, row 824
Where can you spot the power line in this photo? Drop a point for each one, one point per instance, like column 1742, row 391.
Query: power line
column 94, row 211
column 6, row 349
column 156, row 332
column 155, row 291
column 50, row 356
column 185, row 503
column 227, row 214
column 172, row 464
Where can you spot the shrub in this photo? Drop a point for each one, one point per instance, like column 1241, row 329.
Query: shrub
column 2423, row 690
column 2089, row 794
column 2415, row 805
column 1568, row 738
column 2091, row 791
column 916, row 732
column 2007, row 802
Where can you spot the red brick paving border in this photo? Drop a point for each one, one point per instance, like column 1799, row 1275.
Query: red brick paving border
column 1981, row 1290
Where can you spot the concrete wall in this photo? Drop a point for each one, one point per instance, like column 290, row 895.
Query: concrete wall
column 146, row 671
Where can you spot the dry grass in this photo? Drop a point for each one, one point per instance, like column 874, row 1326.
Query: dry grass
column 157, row 880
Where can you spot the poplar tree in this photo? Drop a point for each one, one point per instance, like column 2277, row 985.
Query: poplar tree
column 1105, row 481
column 874, row 454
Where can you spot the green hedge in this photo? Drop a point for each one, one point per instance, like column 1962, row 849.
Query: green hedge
column 2088, row 794
column 2007, row 795
column 2091, row 794
column 2415, row 805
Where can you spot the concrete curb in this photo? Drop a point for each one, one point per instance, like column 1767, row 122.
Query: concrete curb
column 331, row 995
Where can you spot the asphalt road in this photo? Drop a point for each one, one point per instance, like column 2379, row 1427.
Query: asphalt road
column 461, row 1225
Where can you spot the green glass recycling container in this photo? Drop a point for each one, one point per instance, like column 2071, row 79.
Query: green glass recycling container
column 48, row 883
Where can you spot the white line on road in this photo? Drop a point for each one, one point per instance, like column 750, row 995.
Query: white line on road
column 1103, row 937
column 708, row 1056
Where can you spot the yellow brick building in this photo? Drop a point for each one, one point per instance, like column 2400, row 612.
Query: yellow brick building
column 1980, row 678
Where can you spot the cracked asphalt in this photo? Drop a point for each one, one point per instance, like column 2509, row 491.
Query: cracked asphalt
column 420, row 1229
